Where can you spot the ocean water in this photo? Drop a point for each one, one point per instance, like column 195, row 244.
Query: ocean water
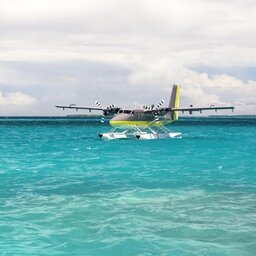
column 63, row 191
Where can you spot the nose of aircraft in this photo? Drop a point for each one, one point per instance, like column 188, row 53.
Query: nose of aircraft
column 120, row 117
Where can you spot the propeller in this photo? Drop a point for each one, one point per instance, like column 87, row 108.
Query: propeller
column 102, row 120
column 156, row 113
column 111, row 109
column 160, row 104
column 152, row 106
column 156, row 118
column 146, row 107
column 111, row 106
column 98, row 104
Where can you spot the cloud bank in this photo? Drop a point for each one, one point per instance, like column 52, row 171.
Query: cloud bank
column 17, row 99
column 128, row 52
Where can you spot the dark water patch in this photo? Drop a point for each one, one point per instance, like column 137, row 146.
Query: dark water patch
column 217, row 120
column 49, row 121
column 95, row 120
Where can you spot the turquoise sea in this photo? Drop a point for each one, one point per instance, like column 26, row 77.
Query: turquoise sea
column 63, row 191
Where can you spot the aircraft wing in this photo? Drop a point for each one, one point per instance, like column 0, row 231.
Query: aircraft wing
column 195, row 109
column 109, row 111
column 190, row 109
column 74, row 106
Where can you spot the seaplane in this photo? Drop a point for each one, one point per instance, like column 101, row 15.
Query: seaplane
column 146, row 123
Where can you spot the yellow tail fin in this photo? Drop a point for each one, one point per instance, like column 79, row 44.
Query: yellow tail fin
column 174, row 101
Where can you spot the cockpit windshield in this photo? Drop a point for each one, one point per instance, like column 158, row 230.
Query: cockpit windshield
column 125, row 111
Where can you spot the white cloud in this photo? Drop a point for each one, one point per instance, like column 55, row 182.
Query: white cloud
column 17, row 99
column 79, row 50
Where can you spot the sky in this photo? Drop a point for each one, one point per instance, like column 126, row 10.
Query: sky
column 126, row 52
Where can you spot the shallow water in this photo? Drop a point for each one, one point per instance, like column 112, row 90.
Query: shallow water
column 63, row 191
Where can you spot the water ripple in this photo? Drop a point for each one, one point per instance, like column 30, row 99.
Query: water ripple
column 65, row 192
